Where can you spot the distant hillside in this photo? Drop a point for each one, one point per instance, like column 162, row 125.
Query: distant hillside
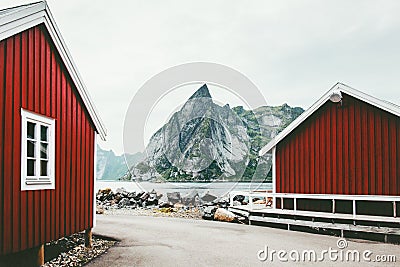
column 112, row 167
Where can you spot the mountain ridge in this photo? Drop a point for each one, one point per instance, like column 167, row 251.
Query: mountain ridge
column 204, row 141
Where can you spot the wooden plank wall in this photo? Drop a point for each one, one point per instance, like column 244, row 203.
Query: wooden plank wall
column 351, row 149
column 33, row 77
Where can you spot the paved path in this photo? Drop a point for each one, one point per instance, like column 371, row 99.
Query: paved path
column 150, row 241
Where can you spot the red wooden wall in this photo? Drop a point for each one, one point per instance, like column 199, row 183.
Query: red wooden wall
column 33, row 77
column 351, row 149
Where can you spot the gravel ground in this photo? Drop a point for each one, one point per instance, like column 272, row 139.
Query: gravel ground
column 71, row 251
column 188, row 213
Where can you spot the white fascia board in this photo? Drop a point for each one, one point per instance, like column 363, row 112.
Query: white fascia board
column 19, row 12
column 389, row 107
column 28, row 16
column 76, row 77
column 384, row 105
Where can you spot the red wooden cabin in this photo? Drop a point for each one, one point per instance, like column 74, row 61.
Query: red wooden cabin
column 48, row 127
column 340, row 159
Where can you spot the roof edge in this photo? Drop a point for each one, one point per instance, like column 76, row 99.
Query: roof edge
column 384, row 105
column 31, row 15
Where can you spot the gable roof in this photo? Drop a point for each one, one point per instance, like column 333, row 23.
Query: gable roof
column 338, row 87
column 18, row 19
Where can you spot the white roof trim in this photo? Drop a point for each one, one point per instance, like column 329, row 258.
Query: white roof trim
column 18, row 19
column 387, row 106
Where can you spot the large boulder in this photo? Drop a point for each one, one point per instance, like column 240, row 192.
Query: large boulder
column 207, row 197
column 239, row 198
column 153, row 194
column 208, row 212
column 145, row 196
column 99, row 210
column 191, row 198
column 123, row 203
column 174, row 197
column 139, row 195
column 222, row 202
column 132, row 202
column 224, row 215
column 151, row 201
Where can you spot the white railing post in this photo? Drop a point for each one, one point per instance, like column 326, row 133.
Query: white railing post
column 394, row 209
column 333, row 205
column 281, row 202
column 354, row 209
column 274, row 177
column 230, row 199
column 295, row 204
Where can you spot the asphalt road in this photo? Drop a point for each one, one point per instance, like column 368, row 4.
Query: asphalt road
column 156, row 241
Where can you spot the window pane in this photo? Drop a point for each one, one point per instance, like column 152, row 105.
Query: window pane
column 43, row 151
column 31, row 130
column 31, row 149
column 30, row 171
column 43, row 168
column 43, row 133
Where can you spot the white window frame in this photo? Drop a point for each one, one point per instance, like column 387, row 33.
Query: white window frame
column 37, row 182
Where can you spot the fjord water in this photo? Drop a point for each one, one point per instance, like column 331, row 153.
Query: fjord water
column 215, row 188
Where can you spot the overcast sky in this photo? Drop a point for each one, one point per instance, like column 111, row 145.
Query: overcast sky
column 293, row 51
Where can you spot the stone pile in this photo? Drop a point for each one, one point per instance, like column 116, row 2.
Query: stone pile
column 171, row 204
column 106, row 199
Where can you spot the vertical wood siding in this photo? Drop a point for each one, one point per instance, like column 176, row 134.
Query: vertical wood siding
column 349, row 149
column 33, row 77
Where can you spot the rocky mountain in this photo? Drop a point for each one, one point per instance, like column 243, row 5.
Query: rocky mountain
column 112, row 167
column 204, row 141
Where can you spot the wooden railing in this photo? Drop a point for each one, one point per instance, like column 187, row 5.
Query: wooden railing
column 334, row 212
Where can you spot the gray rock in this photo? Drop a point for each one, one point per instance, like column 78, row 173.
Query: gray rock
column 224, row 215
column 208, row 212
column 190, row 198
column 165, row 205
column 132, row 194
column 120, row 190
column 123, row 203
column 236, row 203
column 174, row 197
column 239, row 198
column 145, row 196
column 152, row 201
column 207, row 197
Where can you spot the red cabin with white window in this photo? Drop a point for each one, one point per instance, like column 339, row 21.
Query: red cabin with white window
column 48, row 126
column 340, row 157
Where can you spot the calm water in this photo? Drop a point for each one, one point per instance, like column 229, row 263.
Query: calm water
column 217, row 189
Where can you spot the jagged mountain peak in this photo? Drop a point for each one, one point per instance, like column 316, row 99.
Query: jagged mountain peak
column 204, row 141
column 201, row 92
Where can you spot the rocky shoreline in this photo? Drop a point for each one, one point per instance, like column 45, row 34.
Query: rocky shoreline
column 190, row 206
